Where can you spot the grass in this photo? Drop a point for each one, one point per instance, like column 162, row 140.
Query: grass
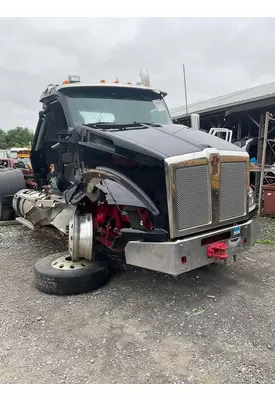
column 265, row 241
column 267, row 234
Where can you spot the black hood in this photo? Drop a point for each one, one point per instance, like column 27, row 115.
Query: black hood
column 163, row 141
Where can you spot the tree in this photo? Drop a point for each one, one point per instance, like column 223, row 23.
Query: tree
column 18, row 137
column 3, row 144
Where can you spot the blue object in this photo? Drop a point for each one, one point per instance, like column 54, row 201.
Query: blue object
column 236, row 230
column 253, row 160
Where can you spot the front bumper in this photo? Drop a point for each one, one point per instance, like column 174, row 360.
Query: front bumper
column 176, row 257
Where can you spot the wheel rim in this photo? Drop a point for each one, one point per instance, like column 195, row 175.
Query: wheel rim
column 66, row 263
column 81, row 237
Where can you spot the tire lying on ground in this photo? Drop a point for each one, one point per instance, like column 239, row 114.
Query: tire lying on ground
column 57, row 274
column 11, row 181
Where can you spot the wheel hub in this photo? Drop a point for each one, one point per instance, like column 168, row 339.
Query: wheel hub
column 66, row 263
column 81, row 237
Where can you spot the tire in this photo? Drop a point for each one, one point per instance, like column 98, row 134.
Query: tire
column 6, row 213
column 11, row 181
column 59, row 281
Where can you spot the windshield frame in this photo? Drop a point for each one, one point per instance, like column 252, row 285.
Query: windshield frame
column 101, row 92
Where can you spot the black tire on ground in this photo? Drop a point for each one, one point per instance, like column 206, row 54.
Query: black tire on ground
column 11, row 181
column 51, row 280
column 6, row 213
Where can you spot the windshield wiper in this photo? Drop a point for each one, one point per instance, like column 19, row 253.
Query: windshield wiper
column 147, row 124
column 123, row 125
column 111, row 124
column 99, row 124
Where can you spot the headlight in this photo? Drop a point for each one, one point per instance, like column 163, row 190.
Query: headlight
column 251, row 199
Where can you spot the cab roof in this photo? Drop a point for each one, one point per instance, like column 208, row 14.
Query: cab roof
column 52, row 90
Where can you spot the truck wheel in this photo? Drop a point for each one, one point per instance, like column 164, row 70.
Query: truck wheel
column 57, row 274
column 6, row 213
column 11, row 181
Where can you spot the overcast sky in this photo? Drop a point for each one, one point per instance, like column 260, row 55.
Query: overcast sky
column 220, row 55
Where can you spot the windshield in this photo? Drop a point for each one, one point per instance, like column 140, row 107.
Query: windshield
column 116, row 105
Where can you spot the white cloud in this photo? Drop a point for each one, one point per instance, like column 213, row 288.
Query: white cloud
column 221, row 55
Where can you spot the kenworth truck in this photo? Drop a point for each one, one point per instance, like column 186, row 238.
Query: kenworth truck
column 113, row 170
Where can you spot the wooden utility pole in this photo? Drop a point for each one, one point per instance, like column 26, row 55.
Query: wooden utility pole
column 267, row 117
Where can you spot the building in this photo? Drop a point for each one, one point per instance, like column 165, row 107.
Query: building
column 243, row 112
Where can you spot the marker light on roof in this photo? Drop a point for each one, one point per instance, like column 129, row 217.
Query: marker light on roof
column 66, row 82
column 74, row 79
column 102, row 81
column 116, row 81
column 129, row 83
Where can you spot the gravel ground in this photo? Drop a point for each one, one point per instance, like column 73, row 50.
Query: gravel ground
column 213, row 325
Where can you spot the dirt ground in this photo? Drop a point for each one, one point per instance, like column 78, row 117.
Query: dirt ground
column 213, row 325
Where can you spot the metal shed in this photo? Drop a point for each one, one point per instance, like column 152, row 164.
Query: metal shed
column 243, row 112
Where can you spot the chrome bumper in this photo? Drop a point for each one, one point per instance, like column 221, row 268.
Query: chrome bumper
column 176, row 257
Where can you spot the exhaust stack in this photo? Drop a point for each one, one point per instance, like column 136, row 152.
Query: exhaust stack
column 195, row 121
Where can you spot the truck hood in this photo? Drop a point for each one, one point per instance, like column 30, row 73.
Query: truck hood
column 165, row 141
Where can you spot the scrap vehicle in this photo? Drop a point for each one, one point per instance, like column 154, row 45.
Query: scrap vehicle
column 114, row 171
column 21, row 152
column 3, row 153
column 23, row 166
column 11, row 181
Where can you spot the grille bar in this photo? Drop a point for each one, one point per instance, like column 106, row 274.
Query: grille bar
column 193, row 197
column 200, row 197
column 233, row 190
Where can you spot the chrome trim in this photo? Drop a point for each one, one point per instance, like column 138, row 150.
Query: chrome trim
column 237, row 156
column 251, row 194
column 240, row 197
column 203, row 157
column 166, row 257
column 193, row 204
column 81, row 237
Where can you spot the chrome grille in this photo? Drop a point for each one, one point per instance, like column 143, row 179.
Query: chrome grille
column 192, row 197
column 233, row 190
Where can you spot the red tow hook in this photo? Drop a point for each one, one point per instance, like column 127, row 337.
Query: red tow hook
column 218, row 251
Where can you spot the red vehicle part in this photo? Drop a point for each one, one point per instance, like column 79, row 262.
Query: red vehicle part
column 19, row 164
column 109, row 220
column 218, row 251
column 31, row 183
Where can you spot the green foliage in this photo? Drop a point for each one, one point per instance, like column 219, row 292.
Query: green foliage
column 265, row 241
column 17, row 137
column 3, row 144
